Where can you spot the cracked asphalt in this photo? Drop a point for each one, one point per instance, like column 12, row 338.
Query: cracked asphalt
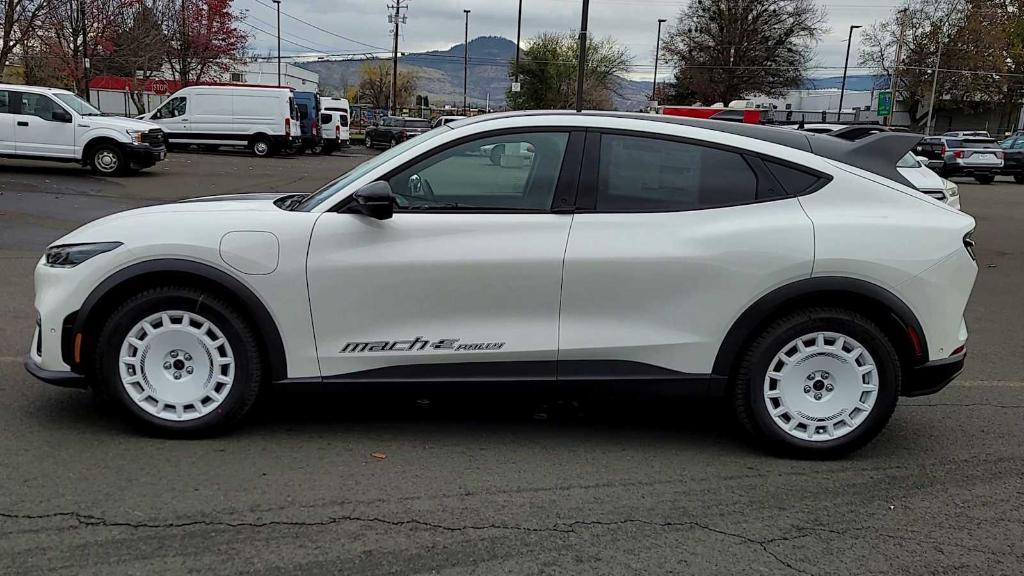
column 496, row 484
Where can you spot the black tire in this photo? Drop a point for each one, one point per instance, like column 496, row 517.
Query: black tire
column 108, row 160
column 985, row 179
column 368, row 142
column 749, row 381
column 394, row 142
column 248, row 371
column 261, row 147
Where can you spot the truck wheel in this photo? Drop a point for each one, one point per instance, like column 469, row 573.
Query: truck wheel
column 262, row 147
column 818, row 383
column 985, row 179
column 179, row 361
column 107, row 160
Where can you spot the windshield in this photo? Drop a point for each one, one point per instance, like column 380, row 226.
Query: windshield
column 979, row 143
column 908, row 161
column 322, row 195
column 78, row 105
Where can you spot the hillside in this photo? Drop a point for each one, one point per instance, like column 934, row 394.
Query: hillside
column 441, row 74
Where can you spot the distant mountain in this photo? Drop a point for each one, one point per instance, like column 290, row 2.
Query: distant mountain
column 863, row 82
column 440, row 74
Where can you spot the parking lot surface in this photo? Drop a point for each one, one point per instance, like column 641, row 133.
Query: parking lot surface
column 322, row 482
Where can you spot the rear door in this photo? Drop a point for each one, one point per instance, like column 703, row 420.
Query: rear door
column 37, row 133
column 671, row 240
column 6, row 123
column 463, row 283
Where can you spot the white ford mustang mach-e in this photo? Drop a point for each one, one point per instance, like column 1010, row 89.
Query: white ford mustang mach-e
column 799, row 275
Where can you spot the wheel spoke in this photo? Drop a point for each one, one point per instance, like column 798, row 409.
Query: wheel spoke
column 819, row 342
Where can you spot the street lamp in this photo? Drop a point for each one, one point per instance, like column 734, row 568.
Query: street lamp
column 278, row 4
column 582, row 65
column 846, row 64
column 657, row 49
column 465, row 68
column 519, row 33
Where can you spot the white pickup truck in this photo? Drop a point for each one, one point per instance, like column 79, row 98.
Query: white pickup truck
column 41, row 123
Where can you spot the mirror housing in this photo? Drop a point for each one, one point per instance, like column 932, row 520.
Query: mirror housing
column 60, row 115
column 375, row 200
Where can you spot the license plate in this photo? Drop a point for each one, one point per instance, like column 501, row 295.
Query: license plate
column 983, row 157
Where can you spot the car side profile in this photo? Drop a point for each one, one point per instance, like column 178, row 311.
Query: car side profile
column 800, row 276
column 393, row 130
column 41, row 123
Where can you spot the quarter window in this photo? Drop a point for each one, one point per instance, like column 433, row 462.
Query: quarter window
column 647, row 174
column 512, row 172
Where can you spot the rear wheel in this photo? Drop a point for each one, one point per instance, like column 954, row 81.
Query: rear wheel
column 368, row 142
column 179, row 361
column 985, row 179
column 818, row 383
column 261, row 146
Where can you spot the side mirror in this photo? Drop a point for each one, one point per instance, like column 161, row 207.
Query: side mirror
column 60, row 115
column 375, row 200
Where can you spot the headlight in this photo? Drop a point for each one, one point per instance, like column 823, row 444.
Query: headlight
column 136, row 135
column 951, row 189
column 71, row 255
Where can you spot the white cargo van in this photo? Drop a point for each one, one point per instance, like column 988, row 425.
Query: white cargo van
column 261, row 119
column 341, row 113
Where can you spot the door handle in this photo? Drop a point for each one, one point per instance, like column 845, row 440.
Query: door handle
column 184, row 119
column 22, row 123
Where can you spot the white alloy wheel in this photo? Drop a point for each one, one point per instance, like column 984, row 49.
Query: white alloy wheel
column 176, row 365
column 821, row 386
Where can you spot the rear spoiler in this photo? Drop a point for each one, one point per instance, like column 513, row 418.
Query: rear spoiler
column 877, row 153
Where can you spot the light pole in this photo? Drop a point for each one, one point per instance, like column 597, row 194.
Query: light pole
column 935, row 77
column 657, row 49
column 278, row 4
column 465, row 68
column 846, row 64
column 582, row 65
column 519, row 33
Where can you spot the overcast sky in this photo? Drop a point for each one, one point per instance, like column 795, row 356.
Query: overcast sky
column 438, row 24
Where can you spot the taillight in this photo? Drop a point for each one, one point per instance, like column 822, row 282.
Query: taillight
column 999, row 154
column 958, row 153
column 337, row 132
column 316, row 127
column 287, row 126
column 943, row 150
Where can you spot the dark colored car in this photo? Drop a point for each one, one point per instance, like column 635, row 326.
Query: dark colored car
column 978, row 158
column 1013, row 158
column 393, row 130
column 308, row 105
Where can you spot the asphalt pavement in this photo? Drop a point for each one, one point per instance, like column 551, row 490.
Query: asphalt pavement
column 327, row 483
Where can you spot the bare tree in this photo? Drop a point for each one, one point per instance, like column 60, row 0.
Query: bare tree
column 726, row 49
column 375, row 84
column 20, row 18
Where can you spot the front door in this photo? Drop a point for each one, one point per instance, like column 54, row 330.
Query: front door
column 173, row 119
column 463, row 283
column 37, row 133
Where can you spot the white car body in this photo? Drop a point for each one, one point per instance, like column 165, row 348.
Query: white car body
column 562, row 293
column 25, row 133
column 341, row 118
column 917, row 172
column 228, row 116
column 445, row 120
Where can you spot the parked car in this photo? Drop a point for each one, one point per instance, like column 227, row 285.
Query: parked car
column 342, row 113
column 933, row 149
column 52, row 124
column 331, row 130
column 968, row 134
column 1013, row 158
column 800, row 277
column 978, row 158
column 445, row 120
column 394, row 130
column 307, row 104
column 264, row 120
column 917, row 172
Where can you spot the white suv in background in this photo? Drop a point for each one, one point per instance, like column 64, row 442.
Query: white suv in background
column 52, row 124
column 799, row 275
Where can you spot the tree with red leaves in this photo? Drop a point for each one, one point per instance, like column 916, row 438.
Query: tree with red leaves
column 205, row 41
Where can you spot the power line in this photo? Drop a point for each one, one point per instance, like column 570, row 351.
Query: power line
column 314, row 26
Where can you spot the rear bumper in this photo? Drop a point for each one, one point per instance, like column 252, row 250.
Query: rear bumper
column 933, row 376
column 57, row 378
column 954, row 169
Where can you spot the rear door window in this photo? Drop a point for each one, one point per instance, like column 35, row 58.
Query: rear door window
column 979, row 143
column 5, row 102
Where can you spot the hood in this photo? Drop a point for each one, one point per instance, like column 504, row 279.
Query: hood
column 120, row 123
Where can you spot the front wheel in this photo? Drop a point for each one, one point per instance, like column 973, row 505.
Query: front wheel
column 985, row 179
column 818, row 383
column 179, row 361
column 108, row 160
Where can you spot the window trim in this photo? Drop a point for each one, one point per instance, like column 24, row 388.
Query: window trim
column 563, row 199
column 766, row 181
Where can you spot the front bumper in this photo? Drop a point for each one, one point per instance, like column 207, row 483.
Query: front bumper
column 144, row 155
column 57, row 378
column 932, row 377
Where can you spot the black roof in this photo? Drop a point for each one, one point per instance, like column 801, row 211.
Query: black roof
column 877, row 153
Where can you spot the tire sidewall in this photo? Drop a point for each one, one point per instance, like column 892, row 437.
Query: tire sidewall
column 116, row 330
column 886, row 362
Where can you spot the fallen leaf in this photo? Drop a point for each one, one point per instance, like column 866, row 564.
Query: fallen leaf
column 378, row 455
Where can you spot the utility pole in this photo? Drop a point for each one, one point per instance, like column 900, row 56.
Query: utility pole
column 465, row 69
column 85, row 49
column 519, row 33
column 278, row 4
column 894, row 78
column 582, row 65
column 657, row 49
column 935, row 77
column 846, row 65
column 397, row 19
